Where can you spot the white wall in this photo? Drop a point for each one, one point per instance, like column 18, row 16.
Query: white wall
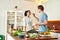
column 9, row 4
column 52, row 8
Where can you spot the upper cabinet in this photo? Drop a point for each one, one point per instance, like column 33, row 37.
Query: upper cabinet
column 15, row 18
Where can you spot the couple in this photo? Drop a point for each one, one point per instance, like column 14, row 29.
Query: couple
column 42, row 20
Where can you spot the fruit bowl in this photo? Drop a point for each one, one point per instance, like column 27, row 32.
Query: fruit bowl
column 44, row 34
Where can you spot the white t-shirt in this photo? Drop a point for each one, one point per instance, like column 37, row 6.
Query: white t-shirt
column 28, row 23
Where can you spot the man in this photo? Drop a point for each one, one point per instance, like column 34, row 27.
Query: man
column 42, row 19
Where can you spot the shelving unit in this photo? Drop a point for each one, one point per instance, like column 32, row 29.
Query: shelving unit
column 15, row 18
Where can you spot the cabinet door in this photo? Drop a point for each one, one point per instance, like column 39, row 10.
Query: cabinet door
column 20, row 20
column 10, row 17
column 10, row 20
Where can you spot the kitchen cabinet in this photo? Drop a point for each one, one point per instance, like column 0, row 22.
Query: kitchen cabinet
column 14, row 19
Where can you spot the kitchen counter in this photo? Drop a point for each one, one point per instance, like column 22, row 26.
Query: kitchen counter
column 39, row 38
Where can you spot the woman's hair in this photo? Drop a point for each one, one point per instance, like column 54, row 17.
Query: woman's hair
column 25, row 14
column 41, row 7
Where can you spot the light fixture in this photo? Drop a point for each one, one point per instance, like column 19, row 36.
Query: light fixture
column 41, row 1
column 38, row 2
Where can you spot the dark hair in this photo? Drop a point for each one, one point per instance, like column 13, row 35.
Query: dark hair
column 25, row 14
column 41, row 7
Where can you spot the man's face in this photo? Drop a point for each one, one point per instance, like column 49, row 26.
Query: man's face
column 39, row 10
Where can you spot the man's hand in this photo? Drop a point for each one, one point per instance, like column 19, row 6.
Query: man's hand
column 44, row 23
column 37, row 24
column 33, row 14
column 35, row 17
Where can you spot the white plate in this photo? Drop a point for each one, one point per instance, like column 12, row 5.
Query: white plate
column 45, row 35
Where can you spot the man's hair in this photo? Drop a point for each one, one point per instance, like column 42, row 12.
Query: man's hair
column 41, row 7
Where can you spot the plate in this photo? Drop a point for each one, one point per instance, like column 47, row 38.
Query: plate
column 45, row 35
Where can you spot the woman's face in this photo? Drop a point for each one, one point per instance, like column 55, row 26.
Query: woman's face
column 28, row 13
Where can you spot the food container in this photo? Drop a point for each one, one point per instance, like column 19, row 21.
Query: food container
column 21, row 35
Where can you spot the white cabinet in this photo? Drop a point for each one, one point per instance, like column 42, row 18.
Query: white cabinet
column 15, row 18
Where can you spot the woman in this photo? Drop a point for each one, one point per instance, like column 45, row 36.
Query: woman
column 27, row 21
column 42, row 19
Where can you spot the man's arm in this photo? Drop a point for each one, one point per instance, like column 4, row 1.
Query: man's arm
column 35, row 17
column 45, row 18
column 44, row 23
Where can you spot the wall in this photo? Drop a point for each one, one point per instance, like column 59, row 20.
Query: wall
column 52, row 8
